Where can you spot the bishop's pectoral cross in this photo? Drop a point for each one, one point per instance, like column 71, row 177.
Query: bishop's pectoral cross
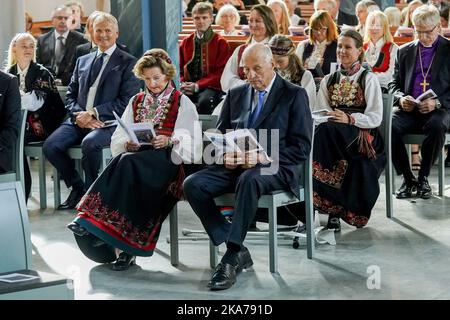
column 424, row 85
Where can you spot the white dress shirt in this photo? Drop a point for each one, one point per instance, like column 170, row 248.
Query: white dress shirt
column 93, row 90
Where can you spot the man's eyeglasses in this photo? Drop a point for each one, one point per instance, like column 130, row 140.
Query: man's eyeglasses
column 425, row 33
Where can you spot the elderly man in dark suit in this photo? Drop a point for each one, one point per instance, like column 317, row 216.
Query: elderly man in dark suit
column 102, row 82
column 269, row 105
column 9, row 120
column 56, row 49
column 421, row 65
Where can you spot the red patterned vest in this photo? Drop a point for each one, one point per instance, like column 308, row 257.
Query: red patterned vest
column 168, row 124
column 382, row 64
column 241, row 69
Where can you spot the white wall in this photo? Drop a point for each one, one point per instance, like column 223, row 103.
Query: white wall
column 12, row 17
column 41, row 10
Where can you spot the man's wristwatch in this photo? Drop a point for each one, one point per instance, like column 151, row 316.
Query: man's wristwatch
column 438, row 104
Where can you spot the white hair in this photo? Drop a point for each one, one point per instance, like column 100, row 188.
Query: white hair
column 426, row 15
column 106, row 17
column 331, row 4
column 61, row 8
column 228, row 8
column 259, row 50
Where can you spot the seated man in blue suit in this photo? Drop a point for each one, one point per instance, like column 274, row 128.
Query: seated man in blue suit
column 9, row 120
column 279, row 108
column 102, row 82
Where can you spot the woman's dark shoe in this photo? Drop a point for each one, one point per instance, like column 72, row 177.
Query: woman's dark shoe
column 123, row 262
column 334, row 223
column 77, row 229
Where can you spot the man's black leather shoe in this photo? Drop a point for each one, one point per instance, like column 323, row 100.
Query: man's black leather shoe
column 406, row 190
column 245, row 260
column 334, row 223
column 423, row 188
column 77, row 229
column 123, row 262
column 224, row 277
column 72, row 200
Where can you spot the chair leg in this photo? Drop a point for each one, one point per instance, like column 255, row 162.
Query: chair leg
column 273, row 238
column 173, row 220
column 310, row 237
column 213, row 252
column 389, row 180
column 42, row 183
column 56, row 188
column 441, row 172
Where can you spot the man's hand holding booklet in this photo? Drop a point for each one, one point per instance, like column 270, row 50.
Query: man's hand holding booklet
column 241, row 145
column 139, row 133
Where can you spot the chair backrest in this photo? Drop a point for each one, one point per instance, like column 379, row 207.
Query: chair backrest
column 62, row 92
column 208, row 121
column 15, row 243
column 386, row 123
column 18, row 172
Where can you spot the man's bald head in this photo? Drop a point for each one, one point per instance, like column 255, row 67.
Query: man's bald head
column 258, row 65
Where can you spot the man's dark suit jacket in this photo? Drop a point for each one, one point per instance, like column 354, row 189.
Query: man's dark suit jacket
column 287, row 109
column 9, row 119
column 45, row 54
column 116, row 87
column 402, row 83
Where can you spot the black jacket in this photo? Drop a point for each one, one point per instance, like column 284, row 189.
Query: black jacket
column 9, row 120
column 402, row 82
column 285, row 109
column 46, row 53
column 52, row 113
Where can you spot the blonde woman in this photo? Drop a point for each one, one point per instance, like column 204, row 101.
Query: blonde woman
column 380, row 49
column 412, row 6
column 281, row 15
column 228, row 18
column 39, row 93
column 394, row 16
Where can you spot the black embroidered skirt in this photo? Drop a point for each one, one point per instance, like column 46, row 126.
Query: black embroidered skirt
column 345, row 180
column 126, row 206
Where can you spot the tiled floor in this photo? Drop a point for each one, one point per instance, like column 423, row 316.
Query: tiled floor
column 404, row 258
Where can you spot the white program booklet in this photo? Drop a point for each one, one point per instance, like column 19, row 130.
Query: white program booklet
column 240, row 141
column 17, row 277
column 429, row 94
column 140, row 133
column 320, row 115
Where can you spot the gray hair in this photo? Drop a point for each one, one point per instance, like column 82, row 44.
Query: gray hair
column 61, row 8
column 331, row 4
column 426, row 15
column 394, row 16
column 368, row 4
column 259, row 50
column 228, row 8
column 106, row 17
